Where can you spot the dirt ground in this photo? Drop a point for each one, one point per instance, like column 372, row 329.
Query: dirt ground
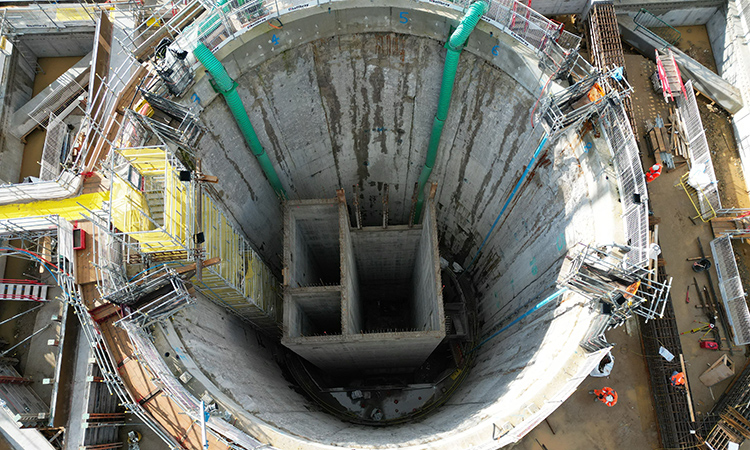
column 631, row 424
column 51, row 69
column 583, row 422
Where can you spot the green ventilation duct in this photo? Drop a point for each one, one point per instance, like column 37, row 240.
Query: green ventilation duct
column 228, row 88
column 455, row 45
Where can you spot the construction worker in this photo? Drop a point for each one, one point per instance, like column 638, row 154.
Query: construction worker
column 606, row 395
column 677, row 379
column 653, row 173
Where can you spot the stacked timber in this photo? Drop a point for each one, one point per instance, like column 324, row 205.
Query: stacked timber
column 666, row 140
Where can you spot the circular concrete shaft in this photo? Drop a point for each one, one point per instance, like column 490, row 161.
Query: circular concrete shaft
column 346, row 96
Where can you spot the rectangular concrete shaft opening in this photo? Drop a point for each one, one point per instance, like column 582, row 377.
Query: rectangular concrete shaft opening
column 386, row 309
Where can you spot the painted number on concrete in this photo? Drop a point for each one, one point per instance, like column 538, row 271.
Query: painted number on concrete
column 587, row 147
column 496, row 50
column 195, row 99
column 561, row 242
column 534, row 269
column 275, row 40
column 403, row 17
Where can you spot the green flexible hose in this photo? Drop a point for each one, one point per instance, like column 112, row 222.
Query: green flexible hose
column 228, row 88
column 454, row 46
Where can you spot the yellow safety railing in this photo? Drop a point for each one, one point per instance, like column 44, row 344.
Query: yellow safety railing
column 703, row 207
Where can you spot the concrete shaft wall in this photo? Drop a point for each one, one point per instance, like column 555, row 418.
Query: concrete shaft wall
column 729, row 30
column 347, row 96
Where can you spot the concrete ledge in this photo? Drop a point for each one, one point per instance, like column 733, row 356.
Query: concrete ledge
column 704, row 80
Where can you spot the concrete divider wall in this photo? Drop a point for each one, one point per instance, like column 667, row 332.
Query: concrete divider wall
column 427, row 313
column 351, row 308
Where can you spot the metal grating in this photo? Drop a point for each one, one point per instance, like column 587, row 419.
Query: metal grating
column 632, row 184
column 605, row 44
column 672, row 412
column 54, row 141
column 730, row 285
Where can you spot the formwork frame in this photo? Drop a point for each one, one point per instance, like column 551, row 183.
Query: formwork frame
column 560, row 111
column 241, row 282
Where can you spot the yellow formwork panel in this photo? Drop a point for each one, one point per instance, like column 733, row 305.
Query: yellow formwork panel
column 69, row 208
column 147, row 161
column 128, row 204
column 178, row 211
column 158, row 241
column 131, row 205
column 71, row 14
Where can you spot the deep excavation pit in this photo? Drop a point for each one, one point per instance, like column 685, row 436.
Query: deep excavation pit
column 349, row 104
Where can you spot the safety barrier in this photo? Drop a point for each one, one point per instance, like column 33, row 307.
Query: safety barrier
column 657, row 27
column 161, row 375
column 730, row 285
column 695, row 135
column 631, row 181
column 226, row 19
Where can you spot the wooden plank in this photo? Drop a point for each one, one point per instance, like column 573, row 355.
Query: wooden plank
column 719, row 227
column 660, row 140
column 84, row 259
column 687, row 390
column 736, row 425
column 665, row 139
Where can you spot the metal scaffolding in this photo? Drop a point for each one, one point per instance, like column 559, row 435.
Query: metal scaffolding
column 155, row 216
column 623, row 289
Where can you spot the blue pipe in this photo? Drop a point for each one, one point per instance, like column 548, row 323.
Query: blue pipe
column 538, row 305
column 510, row 198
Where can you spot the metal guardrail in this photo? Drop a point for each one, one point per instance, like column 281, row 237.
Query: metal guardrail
column 695, row 135
column 64, row 186
column 732, row 292
column 99, row 346
column 225, row 20
column 631, row 182
column 151, row 359
column 657, row 27
column 697, row 197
